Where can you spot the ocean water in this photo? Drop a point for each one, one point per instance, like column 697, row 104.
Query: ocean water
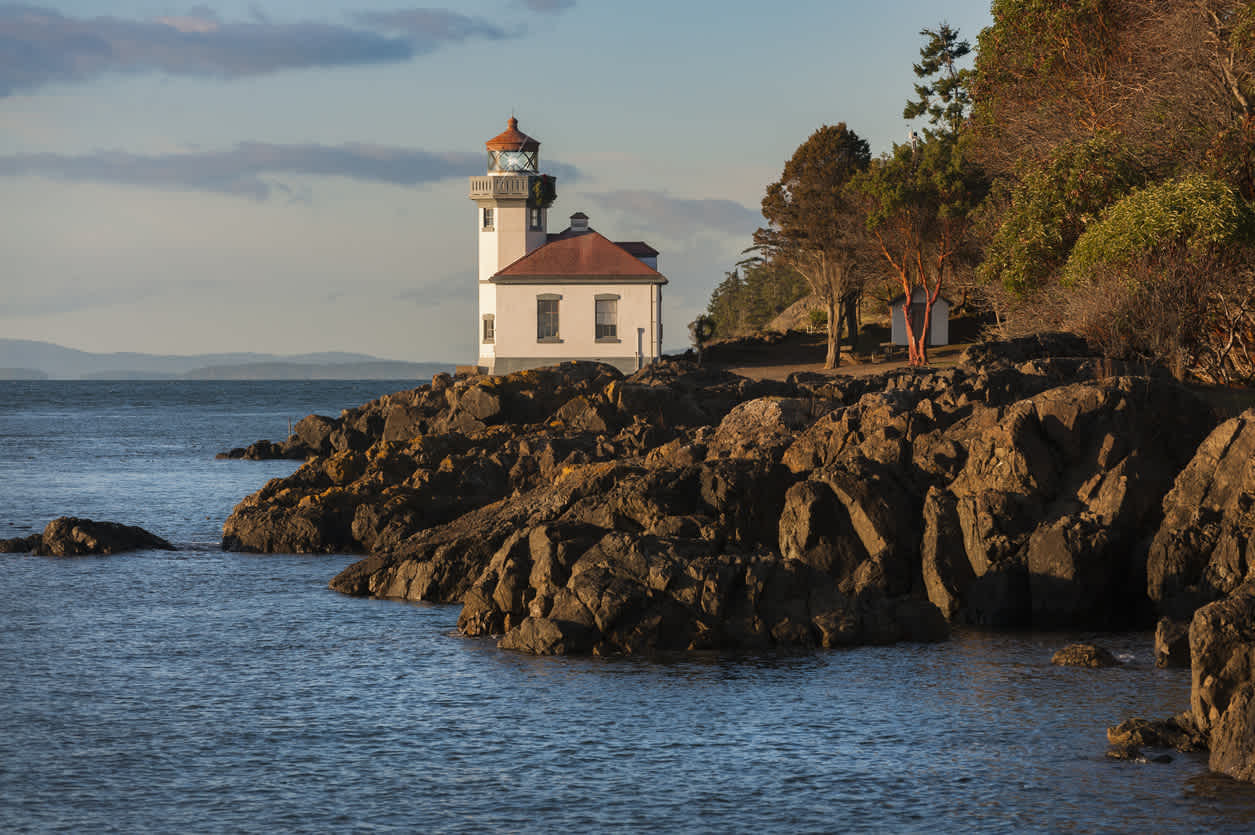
column 205, row 691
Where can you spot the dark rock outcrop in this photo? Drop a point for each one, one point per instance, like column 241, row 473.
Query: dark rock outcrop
column 1199, row 571
column 1221, row 718
column 67, row 536
column 1222, row 694
column 572, row 509
column 1205, row 547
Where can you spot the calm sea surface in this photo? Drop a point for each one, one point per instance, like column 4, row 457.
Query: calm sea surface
column 203, row 691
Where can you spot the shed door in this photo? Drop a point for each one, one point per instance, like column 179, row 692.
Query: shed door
column 920, row 324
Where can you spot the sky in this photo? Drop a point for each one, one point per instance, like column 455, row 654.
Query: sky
column 290, row 176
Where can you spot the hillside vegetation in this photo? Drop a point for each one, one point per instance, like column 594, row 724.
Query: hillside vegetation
column 1087, row 166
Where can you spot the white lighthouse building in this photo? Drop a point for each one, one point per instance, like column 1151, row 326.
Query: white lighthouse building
column 547, row 298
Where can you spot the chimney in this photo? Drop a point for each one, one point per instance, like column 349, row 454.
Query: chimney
column 579, row 222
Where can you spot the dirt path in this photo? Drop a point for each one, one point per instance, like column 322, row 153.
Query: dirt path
column 939, row 357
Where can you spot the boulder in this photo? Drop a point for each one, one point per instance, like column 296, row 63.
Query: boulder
column 1172, row 643
column 999, row 598
column 815, row 530
column 314, row 431
column 745, row 495
column 1076, row 575
column 980, row 357
column 1179, row 732
column 20, row 544
column 264, row 450
column 403, row 422
column 68, row 536
column 946, row 570
column 586, row 414
column 761, row 428
column 545, row 636
column 1222, row 693
column 1084, row 655
column 1205, row 546
column 1057, row 489
column 480, row 403
column 1221, row 718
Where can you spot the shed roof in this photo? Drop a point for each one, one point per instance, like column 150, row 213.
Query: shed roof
column 901, row 297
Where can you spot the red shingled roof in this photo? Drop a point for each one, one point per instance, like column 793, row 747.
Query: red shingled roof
column 589, row 255
column 638, row 249
column 512, row 139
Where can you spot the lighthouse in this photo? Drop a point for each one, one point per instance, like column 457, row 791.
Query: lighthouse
column 546, row 298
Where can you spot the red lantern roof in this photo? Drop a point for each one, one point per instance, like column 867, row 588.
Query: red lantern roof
column 512, row 139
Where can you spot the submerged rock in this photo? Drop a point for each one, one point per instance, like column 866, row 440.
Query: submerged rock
column 1179, row 732
column 1134, row 754
column 20, row 544
column 1084, row 655
column 67, row 536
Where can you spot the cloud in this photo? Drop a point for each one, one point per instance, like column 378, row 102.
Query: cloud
column 243, row 170
column 548, row 6
column 682, row 216
column 432, row 26
column 247, row 170
column 40, row 46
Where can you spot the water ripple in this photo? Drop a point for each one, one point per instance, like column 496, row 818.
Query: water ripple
column 202, row 691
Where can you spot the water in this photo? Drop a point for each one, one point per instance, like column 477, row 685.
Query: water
column 203, row 691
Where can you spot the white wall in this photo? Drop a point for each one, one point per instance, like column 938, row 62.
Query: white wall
column 941, row 323
column 508, row 240
column 487, row 304
column 939, row 333
column 639, row 308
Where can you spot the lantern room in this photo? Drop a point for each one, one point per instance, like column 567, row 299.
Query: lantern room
column 513, row 152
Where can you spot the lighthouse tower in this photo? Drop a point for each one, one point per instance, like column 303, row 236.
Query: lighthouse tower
column 511, row 204
column 551, row 297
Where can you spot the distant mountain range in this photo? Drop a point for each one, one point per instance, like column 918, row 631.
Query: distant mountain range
column 24, row 359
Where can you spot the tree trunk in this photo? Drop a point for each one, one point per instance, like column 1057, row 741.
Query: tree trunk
column 834, row 332
column 928, row 324
column 851, row 319
column 912, row 344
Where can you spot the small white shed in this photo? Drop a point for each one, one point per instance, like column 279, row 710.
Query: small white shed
column 938, row 327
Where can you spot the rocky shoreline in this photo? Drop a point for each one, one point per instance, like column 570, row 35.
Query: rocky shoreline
column 570, row 509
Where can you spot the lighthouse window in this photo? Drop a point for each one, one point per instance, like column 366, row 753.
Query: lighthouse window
column 488, row 219
column 547, row 317
column 533, row 218
column 490, row 328
column 607, row 318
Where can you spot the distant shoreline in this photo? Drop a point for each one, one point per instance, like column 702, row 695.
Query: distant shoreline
column 33, row 360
